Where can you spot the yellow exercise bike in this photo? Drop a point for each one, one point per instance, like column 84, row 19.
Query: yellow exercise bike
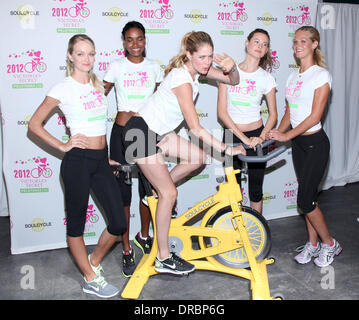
column 231, row 238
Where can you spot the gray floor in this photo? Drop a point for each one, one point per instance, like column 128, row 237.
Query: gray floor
column 57, row 278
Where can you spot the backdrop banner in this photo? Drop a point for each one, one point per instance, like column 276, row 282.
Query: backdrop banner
column 32, row 60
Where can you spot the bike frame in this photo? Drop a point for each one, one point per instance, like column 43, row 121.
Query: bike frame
column 229, row 194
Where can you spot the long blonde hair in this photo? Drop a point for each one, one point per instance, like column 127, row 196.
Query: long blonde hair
column 314, row 36
column 191, row 42
column 98, row 85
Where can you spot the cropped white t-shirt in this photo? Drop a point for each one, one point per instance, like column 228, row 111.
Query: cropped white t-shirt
column 84, row 107
column 299, row 93
column 244, row 99
column 134, row 82
column 161, row 111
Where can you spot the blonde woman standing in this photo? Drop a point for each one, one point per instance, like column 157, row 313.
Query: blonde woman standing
column 307, row 92
column 85, row 165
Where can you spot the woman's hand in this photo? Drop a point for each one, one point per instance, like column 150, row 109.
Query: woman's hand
column 77, row 141
column 254, row 141
column 275, row 134
column 225, row 62
column 114, row 166
column 233, row 151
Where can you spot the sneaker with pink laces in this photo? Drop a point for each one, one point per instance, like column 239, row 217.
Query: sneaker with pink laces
column 307, row 253
column 327, row 253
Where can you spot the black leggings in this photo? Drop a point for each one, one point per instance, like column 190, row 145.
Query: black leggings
column 85, row 169
column 255, row 170
column 310, row 158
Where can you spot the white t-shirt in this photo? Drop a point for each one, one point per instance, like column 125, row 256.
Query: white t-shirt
column 299, row 93
column 161, row 111
column 244, row 99
column 84, row 107
column 134, row 82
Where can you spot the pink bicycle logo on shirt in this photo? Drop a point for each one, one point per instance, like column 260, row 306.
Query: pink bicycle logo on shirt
column 250, row 89
column 294, row 92
column 41, row 169
column 36, row 63
column 143, row 81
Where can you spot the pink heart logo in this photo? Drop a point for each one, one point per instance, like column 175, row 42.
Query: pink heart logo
column 306, row 9
column 43, row 160
column 241, row 4
column 274, row 53
column 37, row 53
column 90, row 207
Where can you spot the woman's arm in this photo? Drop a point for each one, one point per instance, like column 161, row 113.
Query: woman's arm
column 36, row 127
column 272, row 109
column 185, row 100
column 228, row 72
column 108, row 86
column 319, row 102
column 224, row 116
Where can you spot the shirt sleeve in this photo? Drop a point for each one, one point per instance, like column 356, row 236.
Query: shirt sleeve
column 323, row 78
column 159, row 73
column 270, row 83
column 110, row 75
column 56, row 92
column 179, row 77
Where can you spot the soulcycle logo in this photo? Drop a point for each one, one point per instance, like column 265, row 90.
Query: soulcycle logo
column 115, row 14
column 267, row 18
column 201, row 115
column 231, row 16
column 268, row 197
column 33, row 174
column 156, row 14
column 196, row 16
column 26, row 14
column 92, row 218
column 297, row 16
column 38, row 224
column 70, row 15
column 26, row 68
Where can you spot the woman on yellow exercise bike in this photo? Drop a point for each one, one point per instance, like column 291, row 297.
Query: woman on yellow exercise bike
column 154, row 124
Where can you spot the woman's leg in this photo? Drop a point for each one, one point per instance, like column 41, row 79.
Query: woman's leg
column 191, row 157
column 156, row 172
column 79, row 252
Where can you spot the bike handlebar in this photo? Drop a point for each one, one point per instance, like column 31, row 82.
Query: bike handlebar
column 260, row 157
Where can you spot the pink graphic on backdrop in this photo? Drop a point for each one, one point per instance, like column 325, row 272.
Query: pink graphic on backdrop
column 298, row 15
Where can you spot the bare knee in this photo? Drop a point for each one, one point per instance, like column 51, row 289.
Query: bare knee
column 168, row 194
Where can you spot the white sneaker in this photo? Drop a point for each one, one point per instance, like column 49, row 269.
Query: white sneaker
column 327, row 253
column 307, row 253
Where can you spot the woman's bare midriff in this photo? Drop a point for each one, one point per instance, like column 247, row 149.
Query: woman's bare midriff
column 249, row 126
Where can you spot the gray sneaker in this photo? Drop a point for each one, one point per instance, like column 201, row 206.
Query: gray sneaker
column 99, row 287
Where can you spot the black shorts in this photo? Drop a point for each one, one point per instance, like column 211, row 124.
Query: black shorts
column 139, row 140
column 85, row 169
column 117, row 153
column 255, row 170
column 310, row 158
